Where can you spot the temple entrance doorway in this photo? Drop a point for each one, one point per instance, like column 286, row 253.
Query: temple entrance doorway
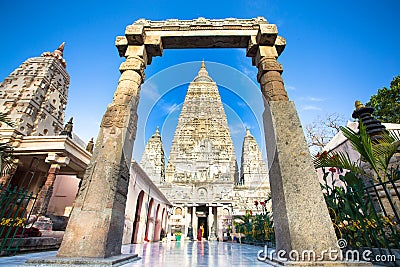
column 202, row 215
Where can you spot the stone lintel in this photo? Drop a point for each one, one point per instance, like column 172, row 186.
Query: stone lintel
column 122, row 44
column 135, row 34
column 210, row 38
column 61, row 261
column 154, row 46
column 302, row 221
column 251, row 50
column 267, row 34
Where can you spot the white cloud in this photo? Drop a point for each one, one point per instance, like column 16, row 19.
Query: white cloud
column 291, row 88
column 312, row 99
column 250, row 72
column 150, row 90
column 309, row 107
column 167, row 107
column 241, row 104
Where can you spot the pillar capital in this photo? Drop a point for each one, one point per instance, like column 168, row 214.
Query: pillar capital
column 267, row 34
column 252, row 47
column 269, row 74
column 154, row 46
column 268, row 64
column 135, row 34
column 136, row 63
column 55, row 159
column 264, row 52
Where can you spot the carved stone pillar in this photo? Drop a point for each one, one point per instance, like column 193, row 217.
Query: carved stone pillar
column 45, row 193
column 185, row 232
column 301, row 218
column 194, row 223
column 269, row 74
column 211, row 224
column 96, row 224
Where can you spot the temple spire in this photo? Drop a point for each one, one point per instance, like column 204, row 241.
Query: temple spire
column 60, row 50
column 58, row 54
column 202, row 75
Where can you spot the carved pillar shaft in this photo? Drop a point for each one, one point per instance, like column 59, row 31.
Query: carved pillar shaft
column 194, row 223
column 301, row 218
column 45, row 193
column 95, row 228
column 270, row 79
column 210, row 221
column 187, row 222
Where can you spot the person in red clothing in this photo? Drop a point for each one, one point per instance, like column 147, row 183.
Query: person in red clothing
column 199, row 234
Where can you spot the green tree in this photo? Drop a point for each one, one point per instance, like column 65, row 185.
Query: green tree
column 387, row 102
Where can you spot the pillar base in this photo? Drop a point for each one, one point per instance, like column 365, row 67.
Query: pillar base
column 64, row 261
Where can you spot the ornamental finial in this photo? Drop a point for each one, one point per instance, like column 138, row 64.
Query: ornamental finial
column 358, row 105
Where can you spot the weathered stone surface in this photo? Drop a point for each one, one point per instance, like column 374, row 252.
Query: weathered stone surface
column 252, row 47
column 135, row 34
column 111, row 261
column 270, row 79
column 197, row 33
column 267, row 34
column 37, row 243
column 96, row 224
column 301, row 218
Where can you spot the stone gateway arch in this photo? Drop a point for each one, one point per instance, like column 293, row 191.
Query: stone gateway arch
column 301, row 217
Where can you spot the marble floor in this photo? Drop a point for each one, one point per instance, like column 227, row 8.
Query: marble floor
column 176, row 254
column 187, row 253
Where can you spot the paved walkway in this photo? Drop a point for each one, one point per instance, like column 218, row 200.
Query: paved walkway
column 180, row 254
column 176, row 254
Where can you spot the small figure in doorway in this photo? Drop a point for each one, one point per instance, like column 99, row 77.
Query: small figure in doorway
column 199, row 234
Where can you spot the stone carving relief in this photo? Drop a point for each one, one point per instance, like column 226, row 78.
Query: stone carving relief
column 228, row 23
column 114, row 116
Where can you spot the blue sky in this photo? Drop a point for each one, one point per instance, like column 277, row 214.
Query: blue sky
column 337, row 52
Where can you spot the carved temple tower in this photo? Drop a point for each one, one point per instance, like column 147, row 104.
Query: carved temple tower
column 34, row 96
column 201, row 178
column 202, row 148
column 153, row 159
column 253, row 172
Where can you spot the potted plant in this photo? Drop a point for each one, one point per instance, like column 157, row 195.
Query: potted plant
column 178, row 235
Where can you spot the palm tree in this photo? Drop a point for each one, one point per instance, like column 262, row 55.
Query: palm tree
column 377, row 154
column 353, row 203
